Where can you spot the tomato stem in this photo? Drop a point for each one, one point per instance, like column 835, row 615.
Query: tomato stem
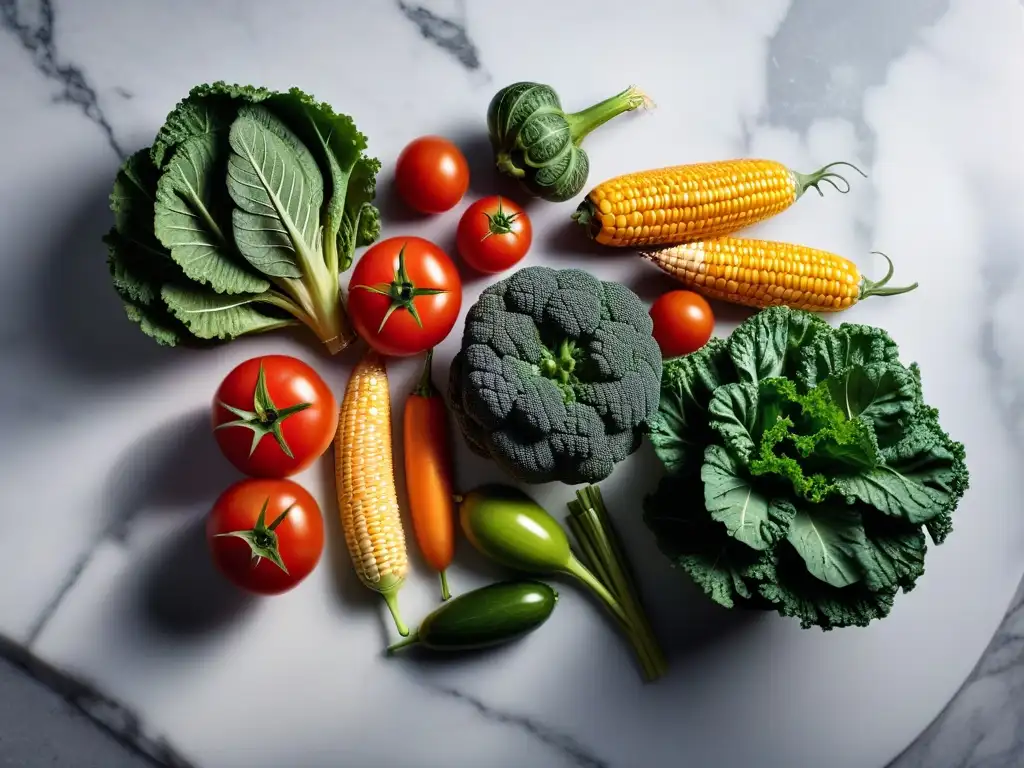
column 265, row 418
column 261, row 538
column 500, row 223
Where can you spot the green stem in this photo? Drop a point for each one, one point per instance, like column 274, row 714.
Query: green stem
column 592, row 560
column 618, row 585
column 330, row 247
column 592, row 517
column 391, row 598
column 628, row 591
column 583, row 122
column 871, row 288
column 599, row 564
column 805, row 181
column 445, row 592
column 404, row 643
column 425, row 387
column 577, row 569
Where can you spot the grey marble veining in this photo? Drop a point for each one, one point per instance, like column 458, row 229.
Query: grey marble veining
column 980, row 728
column 983, row 726
column 32, row 25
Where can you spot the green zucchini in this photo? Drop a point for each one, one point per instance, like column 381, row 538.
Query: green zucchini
column 485, row 617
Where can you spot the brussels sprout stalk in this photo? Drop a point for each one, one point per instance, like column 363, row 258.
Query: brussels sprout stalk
column 583, row 122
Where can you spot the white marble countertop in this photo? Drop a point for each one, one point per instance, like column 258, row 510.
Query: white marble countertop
column 107, row 468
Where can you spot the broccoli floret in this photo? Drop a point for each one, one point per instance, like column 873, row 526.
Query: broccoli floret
column 558, row 375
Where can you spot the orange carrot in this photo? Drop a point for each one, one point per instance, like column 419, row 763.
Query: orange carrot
column 428, row 475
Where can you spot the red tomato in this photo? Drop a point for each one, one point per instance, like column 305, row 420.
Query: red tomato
column 265, row 535
column 494, row 234
column 273, row 416
column 683, row 322
column 432, row 174
column 404, row 296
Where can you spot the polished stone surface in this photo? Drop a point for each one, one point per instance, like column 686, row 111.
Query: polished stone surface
column 107, row 468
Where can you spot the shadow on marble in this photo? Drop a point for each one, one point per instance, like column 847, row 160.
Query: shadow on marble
column 484, row 177
column 565, row 242
column 175, row 466
column 685, row 621
column 181, row 592
column 81, row 323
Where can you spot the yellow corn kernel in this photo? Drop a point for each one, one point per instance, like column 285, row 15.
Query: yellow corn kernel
column 762, row 273
column 713, row 199
column 364, row 473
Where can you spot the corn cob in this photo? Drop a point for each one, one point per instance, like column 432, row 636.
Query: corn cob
column 695, row 202
column 364, row 473
column 761, row 273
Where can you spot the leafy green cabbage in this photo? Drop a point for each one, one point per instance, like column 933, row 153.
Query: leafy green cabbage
column 240, row 217
column 803, row 469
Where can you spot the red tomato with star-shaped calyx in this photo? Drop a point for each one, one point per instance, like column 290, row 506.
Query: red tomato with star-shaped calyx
column 494, row 234
column 265, row 535
column 404, row 296
column 273, row 416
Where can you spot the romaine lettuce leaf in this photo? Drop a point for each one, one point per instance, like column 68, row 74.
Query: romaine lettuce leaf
column 202, row 249
column 209, row 315
column 193, row 217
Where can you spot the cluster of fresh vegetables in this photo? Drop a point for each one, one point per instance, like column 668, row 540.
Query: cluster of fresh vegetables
column 803, row 468
column 404, row 298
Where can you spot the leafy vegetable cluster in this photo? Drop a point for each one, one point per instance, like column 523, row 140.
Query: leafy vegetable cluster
column 558, row 375
column 803, row 469
column 240, row 216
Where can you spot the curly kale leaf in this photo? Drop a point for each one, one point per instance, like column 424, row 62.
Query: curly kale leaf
column 770, row 344
column 731, row 498
column 558, row 375
column 681, row 429
column 698, row 545
column 811, row 450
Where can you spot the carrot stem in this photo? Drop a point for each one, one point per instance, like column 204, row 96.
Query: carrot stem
column 445, row 593
column 425, row 387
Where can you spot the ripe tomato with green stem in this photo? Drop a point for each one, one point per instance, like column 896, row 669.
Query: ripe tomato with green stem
column 494, row 234
column 404, row 296
column 683, row 322
column 265, row 535
column 273, row 416
column 431, row 174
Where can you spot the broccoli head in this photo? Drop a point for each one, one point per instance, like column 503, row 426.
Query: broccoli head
column 558, row 375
